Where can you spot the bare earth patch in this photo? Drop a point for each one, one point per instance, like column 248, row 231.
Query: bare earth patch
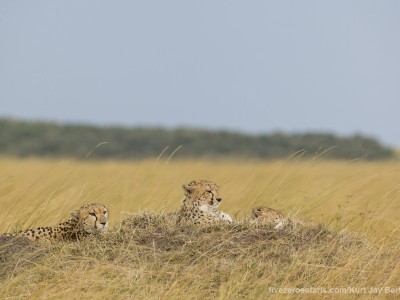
column 18, row 254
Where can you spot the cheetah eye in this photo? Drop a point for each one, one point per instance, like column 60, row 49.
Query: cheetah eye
column 104, row 212
column 92, row 214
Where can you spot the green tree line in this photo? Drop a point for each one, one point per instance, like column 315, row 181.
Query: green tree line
column 26, row 138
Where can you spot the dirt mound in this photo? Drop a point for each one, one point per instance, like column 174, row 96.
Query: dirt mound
column 160, row 233
column 150, row 256
column 18, row 254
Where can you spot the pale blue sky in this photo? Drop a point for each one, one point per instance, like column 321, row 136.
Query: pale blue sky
column 253, row 66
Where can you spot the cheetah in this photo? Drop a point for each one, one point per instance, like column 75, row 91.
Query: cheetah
column 200, row 204
column 88, row 219
column 266, row 215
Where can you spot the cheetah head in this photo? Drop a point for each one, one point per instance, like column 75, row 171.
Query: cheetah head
column 266, row 213
column 203, row 193
column 92, row 218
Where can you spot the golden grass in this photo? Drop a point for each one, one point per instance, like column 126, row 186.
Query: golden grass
column 164, row 261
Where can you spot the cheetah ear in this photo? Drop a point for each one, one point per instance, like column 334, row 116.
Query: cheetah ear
column 75, row 214
column 187, row 187
column 255, row 211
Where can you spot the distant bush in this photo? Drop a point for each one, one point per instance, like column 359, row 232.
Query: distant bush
column 22, row 138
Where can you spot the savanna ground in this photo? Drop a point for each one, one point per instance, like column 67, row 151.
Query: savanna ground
column 350, row 240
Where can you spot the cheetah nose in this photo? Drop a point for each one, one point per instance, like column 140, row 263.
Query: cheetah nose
column 219, row 199
column 103, row 223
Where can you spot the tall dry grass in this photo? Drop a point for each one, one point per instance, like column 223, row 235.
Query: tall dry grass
column 350, row 240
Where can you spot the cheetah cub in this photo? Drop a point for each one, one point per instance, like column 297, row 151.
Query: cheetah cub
column 200, row 204
column 266, row 215
column 88, row 219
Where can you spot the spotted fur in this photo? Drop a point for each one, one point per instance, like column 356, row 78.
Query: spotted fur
column 200, row 204
column 266, row 215
column 88, row 219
